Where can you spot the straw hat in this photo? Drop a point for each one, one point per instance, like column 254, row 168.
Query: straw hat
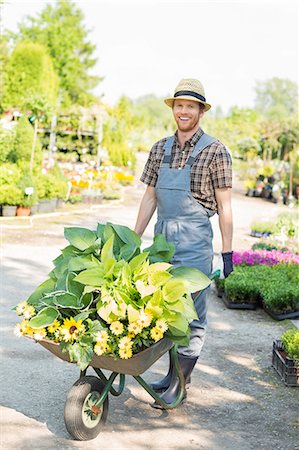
column 189, row 89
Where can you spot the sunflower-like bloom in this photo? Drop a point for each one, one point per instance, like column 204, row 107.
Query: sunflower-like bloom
column 125, row 353
column 40, row 334
column 21, row 307
column 156, row 334
column 135, row 328
column 117, row 327
column 161, row 325
column 102, row 336
column 54, row 327
column 100, row 348
column 144, row 319
column 71, row 330
column 125, row 343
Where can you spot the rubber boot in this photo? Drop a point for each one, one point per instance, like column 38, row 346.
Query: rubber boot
column 162, row 385
column 169, row 396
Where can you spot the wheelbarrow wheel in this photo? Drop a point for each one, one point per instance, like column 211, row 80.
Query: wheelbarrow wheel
column 82, row 416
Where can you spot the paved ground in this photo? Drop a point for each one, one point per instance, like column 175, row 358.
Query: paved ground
column 236, row 400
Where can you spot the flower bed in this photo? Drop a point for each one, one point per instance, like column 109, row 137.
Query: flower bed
column 265, row 257
column 106, row 297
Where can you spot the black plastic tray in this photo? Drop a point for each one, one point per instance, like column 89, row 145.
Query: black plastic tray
column 233, row 305
column 287, row 368
column 282, row 316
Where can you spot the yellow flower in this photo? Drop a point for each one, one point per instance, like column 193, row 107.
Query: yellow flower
column 55, row 325
column 29, row 312
column 134, row 328
column 125, row 343
column 100, row 348
column 22, row 328
column 71, row 329
column 21, row 307
column 125, row 353
column 144, row 319
column 131, row 335
column 156, row 334
column 117, row 327
column 161, row 325
column 40, row 334
column 102, row 336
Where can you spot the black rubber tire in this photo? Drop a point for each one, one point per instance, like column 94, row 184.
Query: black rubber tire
column 73, row 408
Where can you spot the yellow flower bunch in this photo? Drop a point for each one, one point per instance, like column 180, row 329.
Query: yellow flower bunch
column 71, row 329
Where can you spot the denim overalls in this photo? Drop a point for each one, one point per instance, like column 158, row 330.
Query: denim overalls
column 186, row 223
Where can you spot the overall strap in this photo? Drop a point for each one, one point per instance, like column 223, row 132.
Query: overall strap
column 204, row 141
column 167, row 151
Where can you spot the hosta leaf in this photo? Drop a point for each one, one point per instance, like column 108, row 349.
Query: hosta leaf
column 127, row 235
column 194, row 279
column 62, row 266
column 79, row 263
column 58, row 260
column 67, row 300
column 159, row 278
column 180, row 323
column 43, row 288
column 83, row 315
column 61, row 282
column 44, row 318
column 138, row 261
column 93, row 277
column 160, row 250
column 81, row 354
column 107, row 250
column 127, row 251
column 70, row 250
column 73, row 286
column 86, row 299
column 156, row 267
column 80, row 237
column 173, row 290
column 100, row 230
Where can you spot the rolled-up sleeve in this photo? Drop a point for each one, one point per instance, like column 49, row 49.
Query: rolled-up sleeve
column 221, row 170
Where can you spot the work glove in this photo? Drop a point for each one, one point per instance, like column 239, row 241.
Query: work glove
column 228, row 267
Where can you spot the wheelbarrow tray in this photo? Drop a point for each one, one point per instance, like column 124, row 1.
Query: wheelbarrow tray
column 136, row 365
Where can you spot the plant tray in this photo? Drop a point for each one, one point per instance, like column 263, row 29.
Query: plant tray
column 287, row 368
column 233, row 305
column 136, row 365
column 282, row 316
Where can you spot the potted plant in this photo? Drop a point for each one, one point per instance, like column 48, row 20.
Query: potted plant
column 285, row 357
column 10, row 196
column 105, row 297
column 28, row 195
column 261, row 229
column 241, row 288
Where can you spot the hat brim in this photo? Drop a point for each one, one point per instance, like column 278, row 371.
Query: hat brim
column 169, row 101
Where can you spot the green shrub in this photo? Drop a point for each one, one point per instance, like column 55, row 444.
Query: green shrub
column 287, row 222
column 243, row 284
column 6, row 143
column 268, row 246
column 25, row 182
column 10, row 195
column 262, row 227
column 290, row 340
column 9, row 174
column 22, row 145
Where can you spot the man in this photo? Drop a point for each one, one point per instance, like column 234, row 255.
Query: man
column 189, row 178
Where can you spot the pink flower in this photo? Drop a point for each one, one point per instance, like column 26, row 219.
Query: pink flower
column 266, row 257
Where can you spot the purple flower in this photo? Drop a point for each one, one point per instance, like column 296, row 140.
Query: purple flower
column 266, row 257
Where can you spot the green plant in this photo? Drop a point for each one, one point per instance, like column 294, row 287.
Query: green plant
column 106, row 296
column 243, row 284
column 10, row 195
column 290, row 341
column 111, row 194
column 28, row 191
column 268, row 246
column 287, row 223
column 262, row 226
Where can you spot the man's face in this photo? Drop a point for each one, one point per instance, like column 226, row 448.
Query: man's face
column 187, row 114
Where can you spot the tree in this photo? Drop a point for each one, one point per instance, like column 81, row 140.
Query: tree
column 277, row 97
column 29, row 79
column 60, row 28
column 22, row 147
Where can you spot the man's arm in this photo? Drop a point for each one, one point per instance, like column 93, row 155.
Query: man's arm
column 223, row 199
column 146, row 210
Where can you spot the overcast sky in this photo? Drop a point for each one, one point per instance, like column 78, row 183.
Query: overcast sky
column 148, row 46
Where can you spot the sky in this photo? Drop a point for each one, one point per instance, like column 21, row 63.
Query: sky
column 147, row 46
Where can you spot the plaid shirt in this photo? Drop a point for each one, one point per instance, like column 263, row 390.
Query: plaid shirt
column 212, row 169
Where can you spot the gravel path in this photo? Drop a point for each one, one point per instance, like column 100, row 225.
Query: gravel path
column 236, row 400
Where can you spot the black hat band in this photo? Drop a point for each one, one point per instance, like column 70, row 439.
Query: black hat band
column 191, row 93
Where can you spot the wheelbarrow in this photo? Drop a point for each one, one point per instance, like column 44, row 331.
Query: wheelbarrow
column 87, row 402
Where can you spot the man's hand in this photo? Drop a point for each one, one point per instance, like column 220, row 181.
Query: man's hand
column 227, row 263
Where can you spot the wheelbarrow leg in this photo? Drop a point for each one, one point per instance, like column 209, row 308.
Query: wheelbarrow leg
column 181, row 390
